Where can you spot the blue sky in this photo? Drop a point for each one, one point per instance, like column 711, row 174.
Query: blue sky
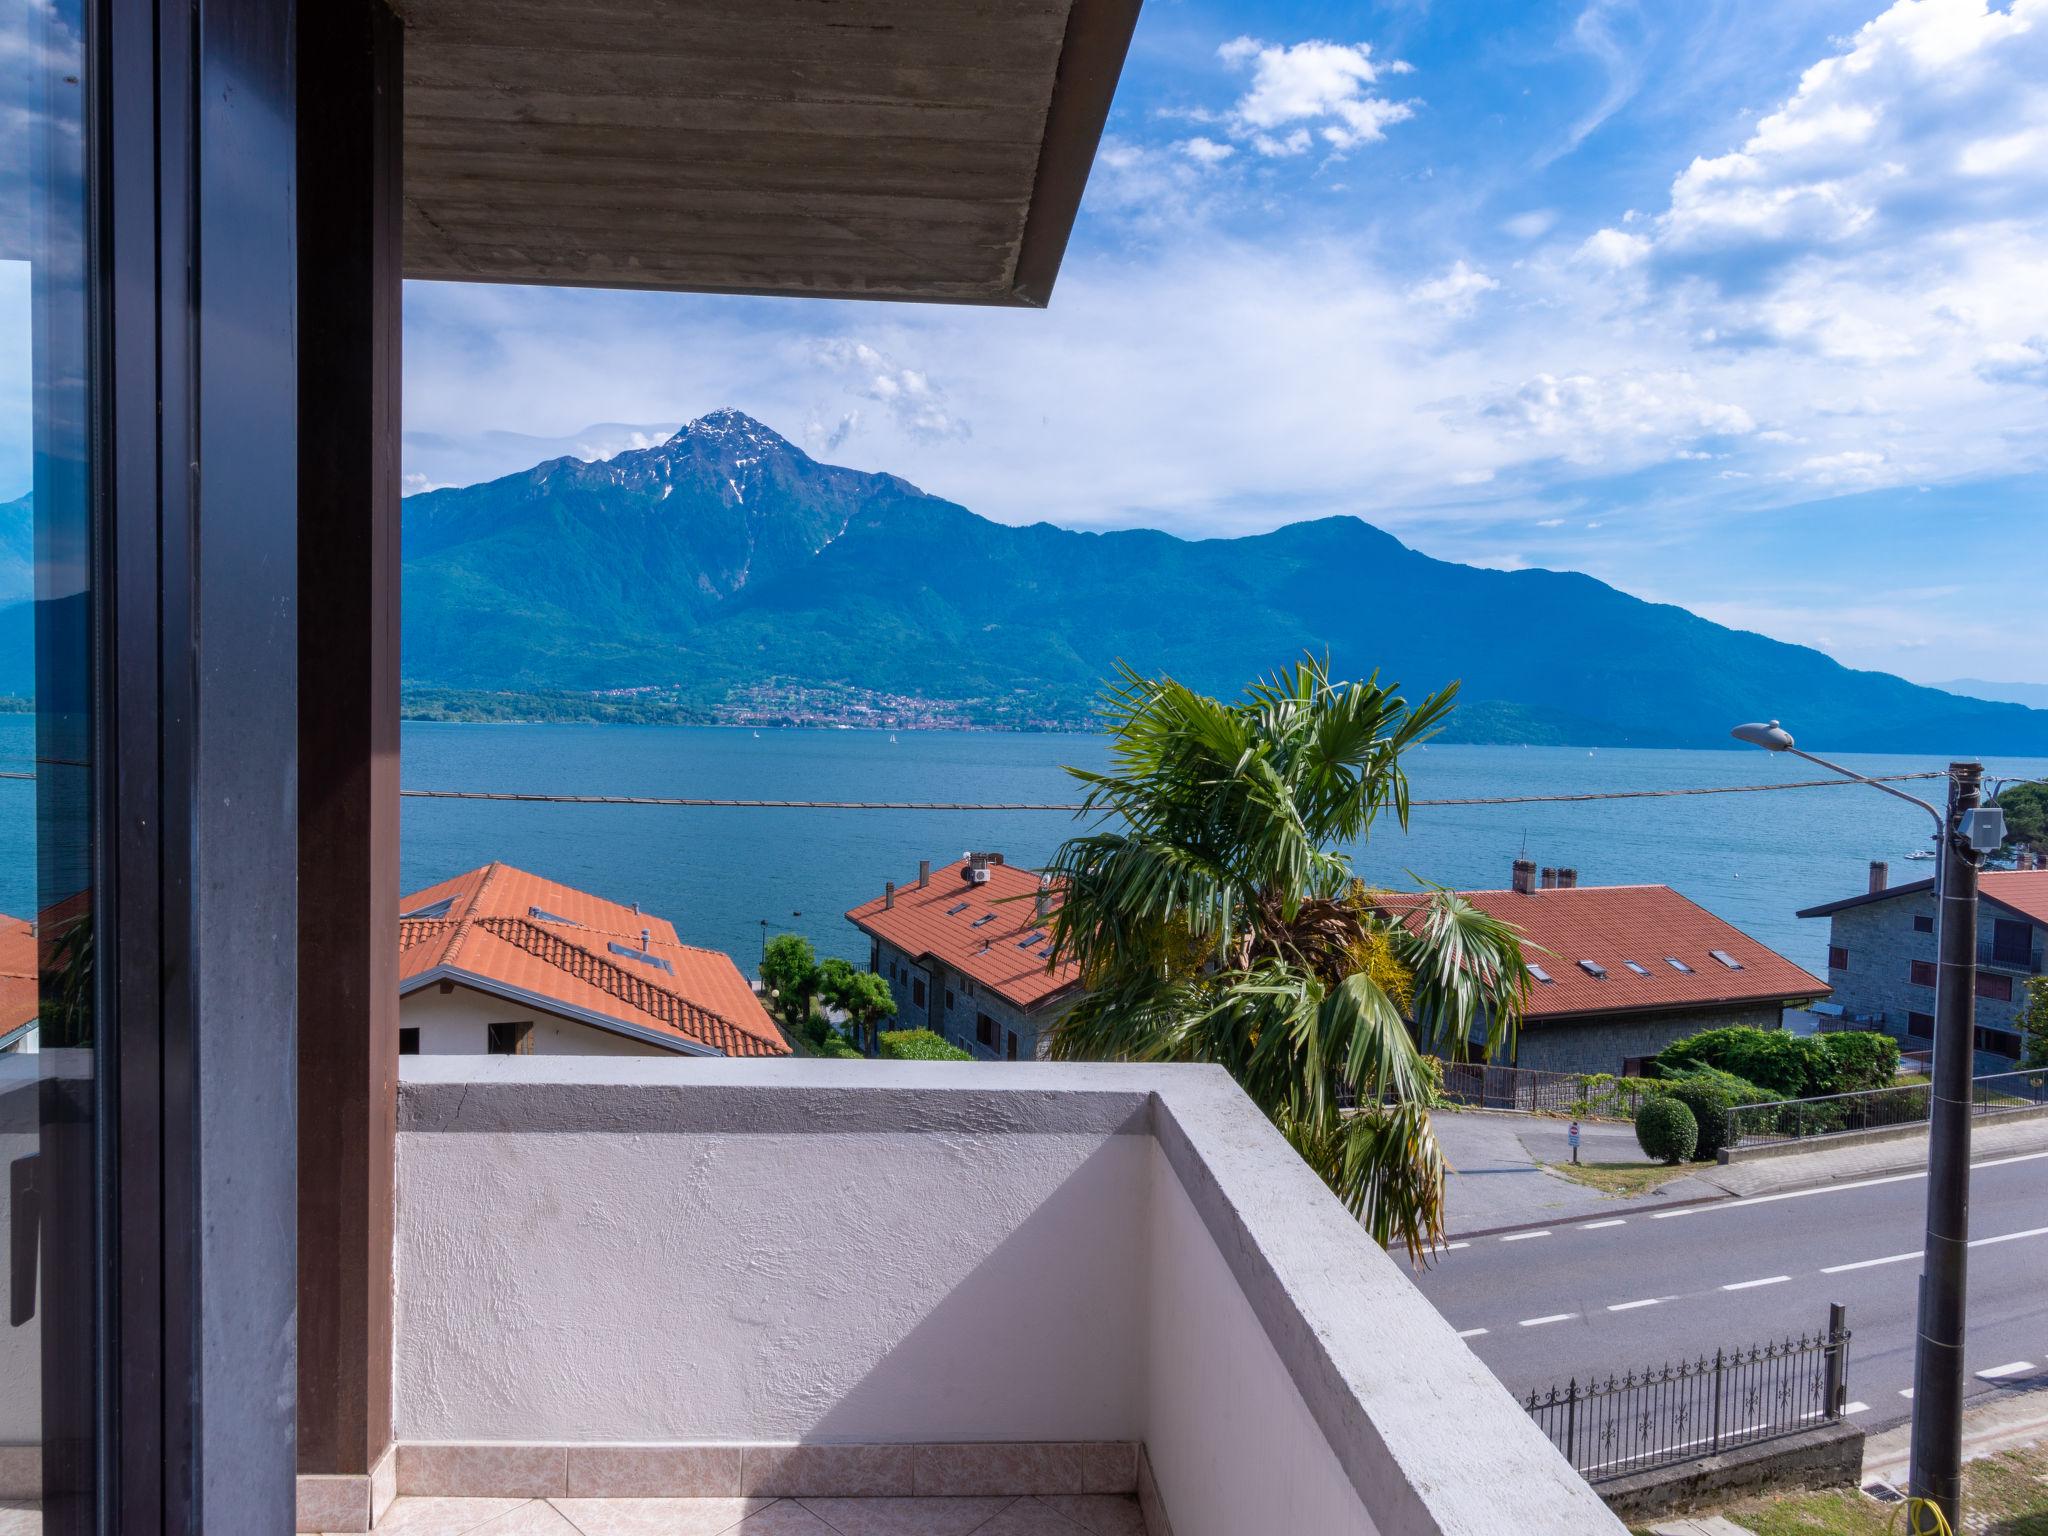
column 1742, row 306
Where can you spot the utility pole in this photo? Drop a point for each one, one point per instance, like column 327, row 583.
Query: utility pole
column 1937, row 1468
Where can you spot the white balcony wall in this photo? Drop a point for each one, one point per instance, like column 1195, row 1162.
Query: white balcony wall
column 687, row 1251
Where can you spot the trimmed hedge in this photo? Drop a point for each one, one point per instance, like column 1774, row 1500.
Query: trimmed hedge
column 920, row 1045
column 1785, row 1065
column 1709, row 1103
column 838, row 1046
column 1665, row 1129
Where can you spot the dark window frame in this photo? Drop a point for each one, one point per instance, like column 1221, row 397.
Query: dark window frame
column 1921, row 973
column 408, row 1039
column 1838, row 957
column 518, row 1043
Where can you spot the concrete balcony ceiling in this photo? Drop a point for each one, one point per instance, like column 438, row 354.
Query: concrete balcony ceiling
column 898, row 149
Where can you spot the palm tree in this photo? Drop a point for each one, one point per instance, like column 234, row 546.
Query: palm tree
column 1216, row 918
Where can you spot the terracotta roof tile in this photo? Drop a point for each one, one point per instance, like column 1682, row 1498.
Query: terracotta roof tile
column 503, row 929
column 19, row 992
column 975, row 929
column 1651, row 925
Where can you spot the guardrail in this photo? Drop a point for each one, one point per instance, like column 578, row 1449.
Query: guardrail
column 1690, row 1409
column 1871, row 1109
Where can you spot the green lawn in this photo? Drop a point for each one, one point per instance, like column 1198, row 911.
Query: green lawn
column 1622, row 1178
column 2005, row 1495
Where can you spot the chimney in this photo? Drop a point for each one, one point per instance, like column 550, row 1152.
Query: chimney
column 1549, row 878
column 1525, row 876
column 888, row 894
column 1043, row 910
column 646, row 938
column 924, row 873
column 1567, row 877
column 1880, row 875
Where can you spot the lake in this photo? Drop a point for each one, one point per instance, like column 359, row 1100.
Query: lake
column 1754, row 859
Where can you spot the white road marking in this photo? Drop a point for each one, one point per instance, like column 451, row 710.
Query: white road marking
column 1454, row 1247
column 1555, row 1317
column 1595, row 1226
column 1835, row 1189
column 1905, row 1391
column 1471, row 1333
column 1517, row 1237
column 1890, row 1258
column 2008, row 1237
column 1630, row 1306
column 1750, row 1285
column 1856, row 1408
column 2015, row 1368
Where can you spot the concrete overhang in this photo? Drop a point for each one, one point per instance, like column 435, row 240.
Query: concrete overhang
column 882, row 149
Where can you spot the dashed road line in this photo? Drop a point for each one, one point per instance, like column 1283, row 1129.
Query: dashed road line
column 1855, row 1407
column 1522, row 1237
column 1890, row 1258
column 2014, row 1368
column 2009, row 1237
column 1595, row 1226
column 1630, row 1306
column 1750, row 1285
column 1905, row 1391
column 1454, row 1247
column 1471, row 1333
column 1555, row 1317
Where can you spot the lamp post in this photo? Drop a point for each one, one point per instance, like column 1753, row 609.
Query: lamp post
column 1964, row 834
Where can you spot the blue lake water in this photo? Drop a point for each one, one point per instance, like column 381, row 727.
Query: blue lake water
column 1754, row 859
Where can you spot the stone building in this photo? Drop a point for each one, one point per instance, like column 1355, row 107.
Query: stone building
column 1881, row 957
column 965, row 952
column 1621, row 971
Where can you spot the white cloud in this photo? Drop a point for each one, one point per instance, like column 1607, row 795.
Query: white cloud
column 1619, row 417
column 1456, row 292
column 1205, row 151
column 1533, row 225
column 1303, row 91
column 1613, row 249
column 1550, row 522
column 908, row 394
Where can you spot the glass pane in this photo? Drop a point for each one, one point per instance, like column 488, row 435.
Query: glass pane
column 47, row 1104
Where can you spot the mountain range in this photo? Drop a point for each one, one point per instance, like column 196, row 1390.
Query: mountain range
column 726, row 575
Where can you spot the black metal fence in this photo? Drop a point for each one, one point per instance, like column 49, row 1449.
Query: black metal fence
column 1755, row 1125
column 1477, row 1086
column 1686, row 1410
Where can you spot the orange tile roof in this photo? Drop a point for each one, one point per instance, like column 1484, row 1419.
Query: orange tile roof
column 1611, row 925
column 506, row 931
column 2022, row 892
column 975, row 929
column 19, row 992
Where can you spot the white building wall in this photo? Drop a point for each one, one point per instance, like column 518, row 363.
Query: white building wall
column 456, row 1023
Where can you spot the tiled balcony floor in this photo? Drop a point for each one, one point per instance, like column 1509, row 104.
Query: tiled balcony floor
column 1051, row 1515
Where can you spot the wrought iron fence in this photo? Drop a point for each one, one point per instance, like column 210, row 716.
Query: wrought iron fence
column 1782, row 1120
column 1478, row 1086
column 1690, row 1409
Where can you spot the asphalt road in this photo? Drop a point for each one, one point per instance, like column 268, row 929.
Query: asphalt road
column 1599, row 1295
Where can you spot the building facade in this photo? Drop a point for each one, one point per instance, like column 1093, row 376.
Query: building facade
column 965, row 951
column 1881, row 958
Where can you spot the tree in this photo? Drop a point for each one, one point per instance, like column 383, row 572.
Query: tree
column 2026, row 815
column 862, row 996
column 1215, row 918
column 789, row 970
column 2034, row 1023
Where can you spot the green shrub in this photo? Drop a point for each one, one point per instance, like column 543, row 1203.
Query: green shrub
column 1709, row 1103
column 839, row 1046
column 920, row 1045
column 1790, row 1066
column 1665, row 1129
column 1863, row 1058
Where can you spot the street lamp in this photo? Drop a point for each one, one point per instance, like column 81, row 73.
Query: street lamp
column 1963, row 835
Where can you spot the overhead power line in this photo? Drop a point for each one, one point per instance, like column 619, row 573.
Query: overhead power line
column 964, row 805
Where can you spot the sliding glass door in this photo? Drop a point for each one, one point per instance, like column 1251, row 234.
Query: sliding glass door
column 50, row 1077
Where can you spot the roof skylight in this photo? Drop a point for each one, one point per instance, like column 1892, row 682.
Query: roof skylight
column 956, row 909
column 630, row 953
column 1726, row 959
column 1640, row 970
column 1030, row 939
column 429, row 912
column 1542, row 975
column 986, row 917
column 545, row 916
column 1594, row 969
column 1677, row 964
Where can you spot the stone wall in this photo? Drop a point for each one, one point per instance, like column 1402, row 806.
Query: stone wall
column 1877, row 984
column 1602, row 1045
